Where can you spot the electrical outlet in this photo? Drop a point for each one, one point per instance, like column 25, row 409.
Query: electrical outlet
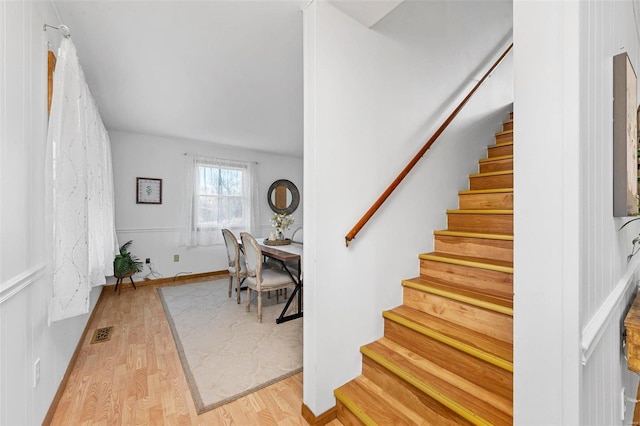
column 148, row 260
column 623, row 405
column 36, row 373
column 176, row 258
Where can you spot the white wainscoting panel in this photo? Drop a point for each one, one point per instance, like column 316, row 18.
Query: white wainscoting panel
column 593, row 331
column 606, row 280
column 16, row 284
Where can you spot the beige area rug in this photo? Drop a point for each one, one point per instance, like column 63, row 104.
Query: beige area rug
column 225, row 352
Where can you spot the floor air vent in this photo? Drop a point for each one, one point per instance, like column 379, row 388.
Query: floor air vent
column 102, row 335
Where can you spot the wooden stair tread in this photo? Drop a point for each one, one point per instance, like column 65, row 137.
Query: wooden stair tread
column 474, row 262
column 499, row 173
column 499, row 352
column 469, row 400
column 485, row 191
column 504, row 132
column 476, row 298
column 361, row 394
column 474, row 235
column 500, row 144
column 493, row 211
column 498, row 158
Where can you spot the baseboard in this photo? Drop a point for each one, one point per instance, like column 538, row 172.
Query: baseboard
column 176, row 279
column 324, row 418
column 72, row 362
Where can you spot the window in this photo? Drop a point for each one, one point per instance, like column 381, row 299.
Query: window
column 219, row 195
column 222, row 201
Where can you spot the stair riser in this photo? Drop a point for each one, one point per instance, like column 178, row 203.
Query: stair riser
column 495, row 201
column 491, row 182
column 492, row 324
column 496, row 166
column 481, row 223
column 433, row 412
column 457, row 391
column 488, row 376
column 483, row 280
column 500, row 150
column 507, row 126
column 504, row 138
column 475, row 247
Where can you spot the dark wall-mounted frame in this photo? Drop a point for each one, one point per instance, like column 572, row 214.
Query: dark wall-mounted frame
column 148, row 190
column 625, row 138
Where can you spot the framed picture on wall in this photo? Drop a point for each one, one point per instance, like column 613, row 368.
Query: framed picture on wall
column 625, row 143
column 148, row 191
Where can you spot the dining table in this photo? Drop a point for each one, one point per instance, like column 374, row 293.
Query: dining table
column 286, row 255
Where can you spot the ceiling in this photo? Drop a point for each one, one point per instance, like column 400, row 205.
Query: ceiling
column 226, row 72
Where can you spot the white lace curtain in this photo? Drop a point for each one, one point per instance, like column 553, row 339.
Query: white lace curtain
column 80, row 222
column 218, row 194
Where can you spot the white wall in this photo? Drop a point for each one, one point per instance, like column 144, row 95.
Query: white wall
column 156, row 229
column 546, row 215
column 606, row 29
column 372, row 98
column 569, row 254
column 24, row 333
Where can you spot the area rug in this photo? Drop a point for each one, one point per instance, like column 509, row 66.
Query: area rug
column 225, row 352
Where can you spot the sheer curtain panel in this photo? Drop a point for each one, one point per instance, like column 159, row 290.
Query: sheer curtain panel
column 80, row 224
column 219, row 194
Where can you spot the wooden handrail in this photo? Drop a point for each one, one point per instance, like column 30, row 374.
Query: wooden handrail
column 358, row 226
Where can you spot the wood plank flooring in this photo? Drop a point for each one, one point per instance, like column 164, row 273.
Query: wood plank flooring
column 137, row 378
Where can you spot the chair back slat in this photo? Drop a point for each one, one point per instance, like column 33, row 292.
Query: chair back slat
column 296, row 237
column 237, row 267
column 233, row 250
column 252, row 255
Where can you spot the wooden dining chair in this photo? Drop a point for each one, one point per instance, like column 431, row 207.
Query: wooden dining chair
column 237, row 267
column 259, row 278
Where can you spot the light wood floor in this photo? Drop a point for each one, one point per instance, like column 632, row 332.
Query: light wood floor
column 137, row 377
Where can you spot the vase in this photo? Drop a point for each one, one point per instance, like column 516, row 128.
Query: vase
column 279, row 234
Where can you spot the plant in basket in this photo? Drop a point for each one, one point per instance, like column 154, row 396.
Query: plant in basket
column 126, row 264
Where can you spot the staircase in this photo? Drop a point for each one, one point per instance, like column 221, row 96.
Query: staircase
column 447, row 352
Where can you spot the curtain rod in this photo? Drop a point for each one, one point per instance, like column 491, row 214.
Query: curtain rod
column 62, row 28
column 217, row 158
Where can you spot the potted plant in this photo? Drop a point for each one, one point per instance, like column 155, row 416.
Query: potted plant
column 125, row 264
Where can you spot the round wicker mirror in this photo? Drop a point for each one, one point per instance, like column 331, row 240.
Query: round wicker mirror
column 283, row 196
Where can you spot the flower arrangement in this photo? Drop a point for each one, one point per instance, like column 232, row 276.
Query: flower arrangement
column 281, row 222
